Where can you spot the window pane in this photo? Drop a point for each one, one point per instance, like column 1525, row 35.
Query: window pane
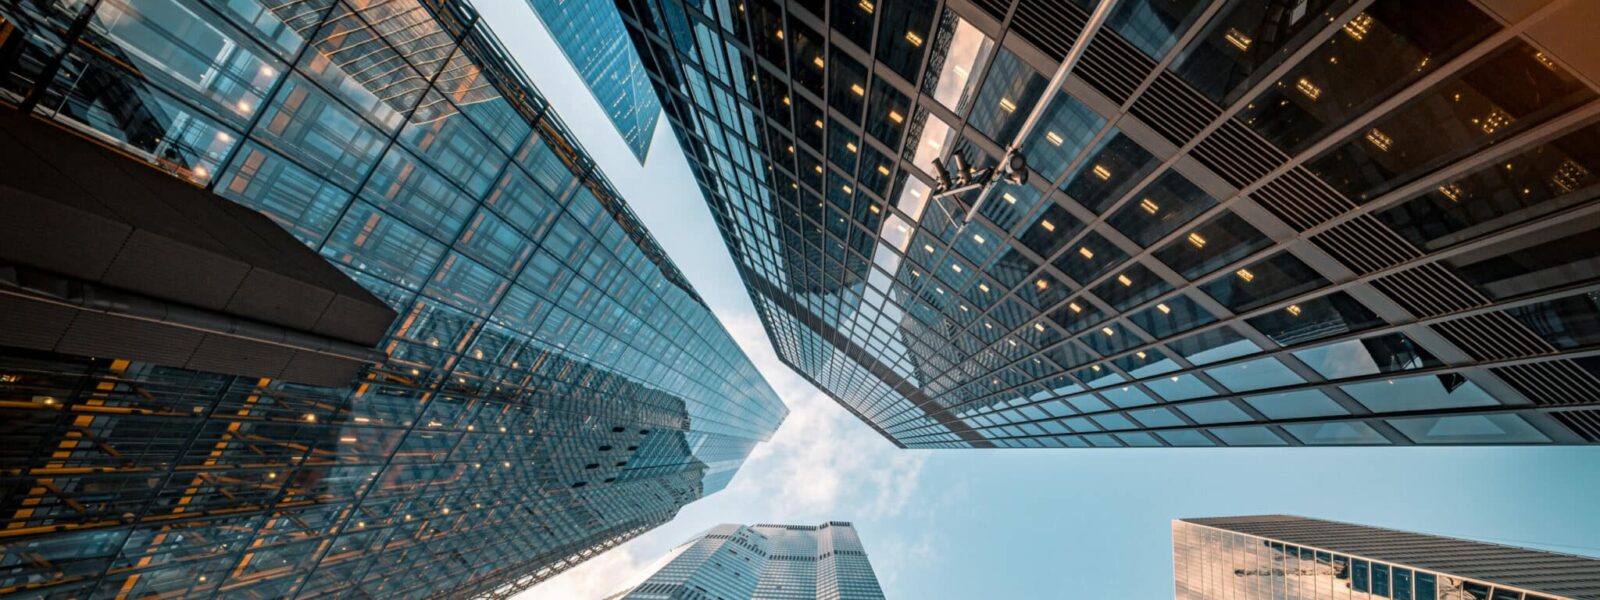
column 1172, row 316
column 1112, row 169
column 1211, row 245
column 1180, row 387
column 1470, row 429
column 1186, row 437
column 1335, row 434
column 1215, row 411
column 1062, row 132
column 1469, row 112
column 1501, row 194
column 1161, row 208
column 1245, row 39
column 1264, row 282
column 1317, row 318
column 1530, row 264
column 1299, row 404
column 1248, row 436
column 1009, row 93
column 1051, row 230
column 1154, row 25
column 902, row 33
column 1090, row 258
column 1423, row 392
column 1213, row 345
column 1134, row 285
column 1378, row 52
column 956, row 63
column 1354, row 358
column 1254, row 375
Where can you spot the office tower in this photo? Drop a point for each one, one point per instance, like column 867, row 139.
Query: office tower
column 550, row 385
column 1244, row 222
column 1280, row 556
column 772, row 562
column 592, row 37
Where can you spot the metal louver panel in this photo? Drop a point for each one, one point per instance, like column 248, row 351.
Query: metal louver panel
column 1050, row 25
column 995, row 8
column 1492, row 336
column 1238, row 154
column 1429, row 290
column 1301, row 200
column 1114, row 66
column 1173, row 109
column 1585, row 423
column 1365, row 245
column 1553, row 383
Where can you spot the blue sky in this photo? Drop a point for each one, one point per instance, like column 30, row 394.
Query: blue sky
column 1078, row 523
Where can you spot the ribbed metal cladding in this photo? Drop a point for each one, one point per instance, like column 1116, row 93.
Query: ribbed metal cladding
column 1365, row 245
column 1584, row 422
column 995, row 8
column 1050, row 25
column 1238, row 154
column 1114, row 66
column 1429, row 290
column 1492, row 336
column 1174, row 109
column 1557, row 382
column 1301, row 200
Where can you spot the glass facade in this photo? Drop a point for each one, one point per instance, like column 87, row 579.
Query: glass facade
column 1278, row 557
column 769, row 562
column 553, row 384
column 592, row 37
column 1226, row 200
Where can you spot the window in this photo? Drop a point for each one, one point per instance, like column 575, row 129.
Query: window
column 1264, row 282
column 1354, row 358
column 1466, row 113
column 1422, row 392
column 957, row 63
column 1211, row 245
column 1470, row 429
column 1154, row 25
column 1115, row 165
column 1503, row 193
column 1310, row 320
column 1298, row 404
column 847, row 89
column 1172, row 316
column 1160, row 208
column 1257, row 374
column 1244, row 41
column 1344, row 433
column 1009, row 93
column 1180, row 387
column 1248, row 436
column 1567, row 323
column 1532, row 263
column 1213, row 345
column 1062, row 132
column 1052, row 228
column 1133, row 286
column 1091, row 257
column 1213, row 412
column 1375, row 54
column 903, row 34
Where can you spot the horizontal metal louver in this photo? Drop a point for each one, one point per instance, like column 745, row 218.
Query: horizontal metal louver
column 1050, row 25
column 995, row 8
column 1429, row 290
column 1553, row 383
column 1301, row 200
column 1238, row 154
column 1365, row 245
column 1492, row 336
column 1114, row 66
column 1173, row 109
column 1585, row 423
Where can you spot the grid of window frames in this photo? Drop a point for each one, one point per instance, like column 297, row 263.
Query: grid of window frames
column 1214, row 562
column 1332, row 225
column 554, row 385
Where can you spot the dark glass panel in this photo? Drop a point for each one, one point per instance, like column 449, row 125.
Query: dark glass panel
column 1275, row 278
column 1112, row 169
column 1314, row 319
column 1161, row 208
column 1211, row 245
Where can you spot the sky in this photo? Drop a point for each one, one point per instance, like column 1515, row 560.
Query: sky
column 1021, row 523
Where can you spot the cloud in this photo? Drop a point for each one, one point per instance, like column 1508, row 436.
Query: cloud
column 597, row 577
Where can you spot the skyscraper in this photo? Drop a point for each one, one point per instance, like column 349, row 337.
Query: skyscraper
column 1244, row 222
column 770, row 562
column 592, row 37
column 550, row 386
column 1278, row 556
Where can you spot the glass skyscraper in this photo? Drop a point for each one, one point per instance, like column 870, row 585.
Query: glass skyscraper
column 1274, row 557
column 550, row 386
column 1246, row 222
column 764, row 562
column 592, row 37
